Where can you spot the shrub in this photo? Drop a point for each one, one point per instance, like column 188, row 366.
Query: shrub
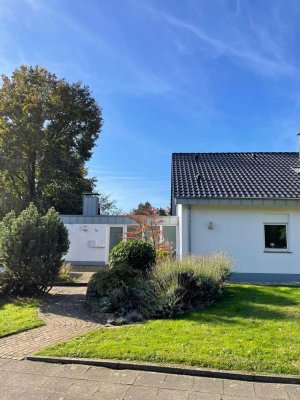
column 163, row 255
column 103, row 282
column 64, row 273
column 31, row 249
column 172, row 288
column 136, row 253
column 118, row 290
column 193, row 282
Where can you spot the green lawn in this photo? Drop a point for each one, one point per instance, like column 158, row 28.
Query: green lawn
column 18, row 315
column 252, row 328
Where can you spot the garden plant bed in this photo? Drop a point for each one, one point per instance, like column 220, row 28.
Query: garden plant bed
column 18, row 315
column 252, row 328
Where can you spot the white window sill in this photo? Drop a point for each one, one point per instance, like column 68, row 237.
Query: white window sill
column 277, row 251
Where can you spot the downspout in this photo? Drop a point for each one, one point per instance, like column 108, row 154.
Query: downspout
column 189, row 229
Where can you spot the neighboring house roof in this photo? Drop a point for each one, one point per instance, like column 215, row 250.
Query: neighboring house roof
column 236, row 175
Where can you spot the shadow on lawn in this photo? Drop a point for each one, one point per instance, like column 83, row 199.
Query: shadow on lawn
column 18, row 301
column 251, row 302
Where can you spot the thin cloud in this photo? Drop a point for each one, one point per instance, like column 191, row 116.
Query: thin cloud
column 242, row 52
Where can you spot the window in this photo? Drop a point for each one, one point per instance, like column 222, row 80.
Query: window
column 276, row 237
column 134, row 231
column 115, row 236
column 169, row 235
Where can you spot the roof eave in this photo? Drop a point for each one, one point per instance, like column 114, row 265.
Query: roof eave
column 251, row 201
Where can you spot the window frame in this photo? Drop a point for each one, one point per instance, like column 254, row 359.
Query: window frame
column 276, row 250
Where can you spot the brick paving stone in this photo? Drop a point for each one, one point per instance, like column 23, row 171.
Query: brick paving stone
column 140, row 392
column 170, row 394
column 208, row 385
column 111, row 391
column 22, row 380
column 57, row 384
column 204, row 396
column 241, row 397
column 123, row 376
column 65, row 316
column 239, row 388
column 83, row 387
column 11, row 394
column 3, row 361
column 271, row 391
column 293, row 391
column 35, row 394
column 98, row 374
column 73, row 371
column 64, row 396
column 182, row 382
column 154, row 379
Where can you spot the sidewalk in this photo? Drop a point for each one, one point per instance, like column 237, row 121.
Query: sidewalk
column 27, row 380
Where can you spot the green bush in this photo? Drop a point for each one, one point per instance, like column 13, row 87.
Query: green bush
column 136, row 253
column 193, row 282
column 171, row 288
column 103, row 282
column 32, row 247
column 119, row 290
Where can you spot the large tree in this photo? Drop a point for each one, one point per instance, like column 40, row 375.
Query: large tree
column 108, row 206
column 147, row 208
column 48, row 128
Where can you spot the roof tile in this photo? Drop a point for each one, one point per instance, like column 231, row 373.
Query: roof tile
column 235, row 175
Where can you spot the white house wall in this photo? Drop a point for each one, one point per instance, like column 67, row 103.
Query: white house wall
column 89, row 236
column 87, row 243
column 182, row 239
column 239, row 231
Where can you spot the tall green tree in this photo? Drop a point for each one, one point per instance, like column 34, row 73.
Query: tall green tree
column 147, row 208
column 108, row 206
column 48, row 128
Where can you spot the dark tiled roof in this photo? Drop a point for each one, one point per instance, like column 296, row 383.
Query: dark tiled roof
column 235, row 175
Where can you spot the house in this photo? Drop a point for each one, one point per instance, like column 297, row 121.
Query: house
column 244, row 204
column 92, row 236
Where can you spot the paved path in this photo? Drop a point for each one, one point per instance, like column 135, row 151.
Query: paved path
column 26, row 380
column 65, row 317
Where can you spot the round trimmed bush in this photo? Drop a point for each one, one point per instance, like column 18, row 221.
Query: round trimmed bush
column 136, row 253
column 119, row 290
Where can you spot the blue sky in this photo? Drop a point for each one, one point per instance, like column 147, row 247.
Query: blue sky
column 170, row 75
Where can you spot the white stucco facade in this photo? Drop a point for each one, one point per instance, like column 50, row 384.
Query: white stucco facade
column 88, row 243
column 236, row 227
column 239, row 231
column 90, row 236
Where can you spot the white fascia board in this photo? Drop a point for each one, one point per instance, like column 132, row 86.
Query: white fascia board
column 240, row 202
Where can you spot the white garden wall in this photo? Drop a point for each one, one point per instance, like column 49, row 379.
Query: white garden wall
column 239, row 231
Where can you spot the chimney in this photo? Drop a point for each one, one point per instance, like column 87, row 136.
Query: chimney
column 298, row 136
column 90, row 204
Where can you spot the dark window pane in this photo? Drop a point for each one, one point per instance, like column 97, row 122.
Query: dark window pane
column 152, row 232
column 115, row 236
column 169, row 235
column 275, row 237
column 134, row 231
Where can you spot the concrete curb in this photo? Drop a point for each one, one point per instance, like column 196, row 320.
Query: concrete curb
column 172, row 369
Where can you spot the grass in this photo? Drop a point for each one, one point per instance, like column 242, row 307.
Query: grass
column 252, row 328
column 17, row 315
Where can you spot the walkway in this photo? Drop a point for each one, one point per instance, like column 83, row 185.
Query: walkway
column 65, row 317
column 26, row 380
